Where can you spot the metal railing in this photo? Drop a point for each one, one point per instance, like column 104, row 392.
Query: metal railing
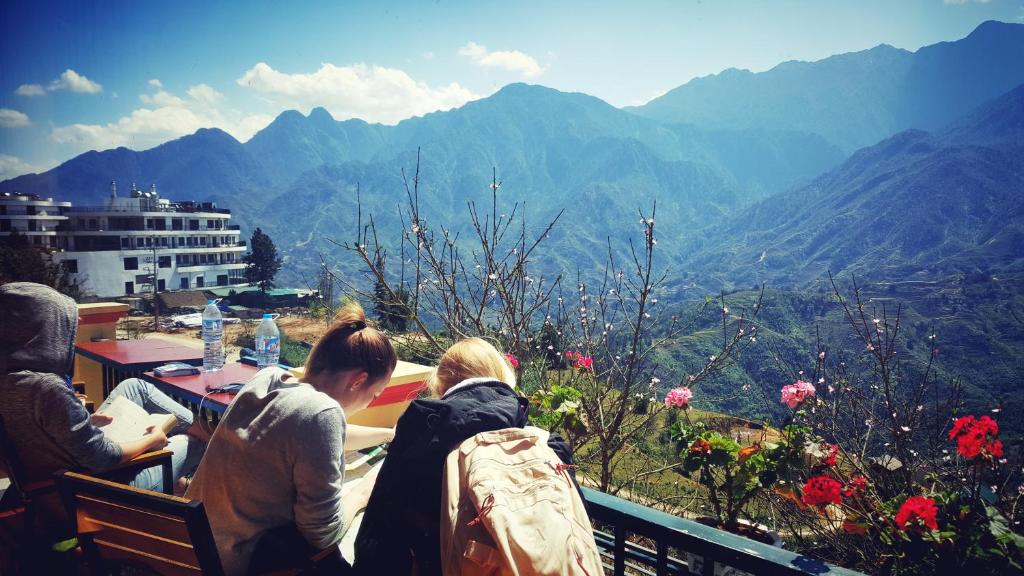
column 136, row 210
column 698, row 549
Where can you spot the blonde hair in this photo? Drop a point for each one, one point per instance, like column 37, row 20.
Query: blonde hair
column 470, row 358
column 350, row 343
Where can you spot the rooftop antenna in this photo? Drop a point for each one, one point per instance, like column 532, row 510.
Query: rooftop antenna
column 152, row 190
column 113, row 188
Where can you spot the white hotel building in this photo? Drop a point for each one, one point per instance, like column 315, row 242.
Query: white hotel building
column 33, row 217
column 129, row 243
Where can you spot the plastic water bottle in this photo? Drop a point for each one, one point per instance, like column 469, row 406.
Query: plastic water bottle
column 213, row 338
column 268, row 342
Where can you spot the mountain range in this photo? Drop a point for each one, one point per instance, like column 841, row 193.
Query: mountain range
column 901, row 168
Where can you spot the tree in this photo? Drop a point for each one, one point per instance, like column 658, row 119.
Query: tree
column 20, row 261
column 262, row 262
column 390, row 305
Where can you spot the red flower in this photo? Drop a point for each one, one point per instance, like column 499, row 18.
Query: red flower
column 821, row 491
column 916, row 513
column 829, row 459
column 580, row 362
column 512, row 361
column 976, row 437
column 857, row 485
column 700, row 446
column 854, row 527
column 959, row 425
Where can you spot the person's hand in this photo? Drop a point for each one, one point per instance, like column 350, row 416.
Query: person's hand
column 101, row 419
column 157, row 438
column 82, row 398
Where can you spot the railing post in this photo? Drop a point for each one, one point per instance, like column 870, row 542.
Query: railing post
column 620, row 551
column 661, row 568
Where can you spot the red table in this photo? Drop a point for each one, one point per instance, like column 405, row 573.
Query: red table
column 122, row 359
column 192, row 389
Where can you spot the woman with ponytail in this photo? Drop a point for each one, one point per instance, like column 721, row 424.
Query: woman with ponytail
column 275, row 464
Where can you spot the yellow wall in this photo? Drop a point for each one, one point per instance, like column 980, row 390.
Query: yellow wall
column 87, row 370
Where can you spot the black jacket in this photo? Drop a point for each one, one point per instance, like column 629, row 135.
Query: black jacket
column 402, row 520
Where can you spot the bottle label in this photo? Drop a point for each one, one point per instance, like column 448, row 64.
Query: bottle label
column 214, row 324
column 268, row 344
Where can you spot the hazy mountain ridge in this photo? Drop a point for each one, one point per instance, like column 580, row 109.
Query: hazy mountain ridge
column 856, row 99
column 915, row 205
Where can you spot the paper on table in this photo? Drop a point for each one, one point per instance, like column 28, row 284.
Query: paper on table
column 130, row 421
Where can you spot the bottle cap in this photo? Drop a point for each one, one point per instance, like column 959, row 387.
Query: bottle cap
column 211, row 302
column 268, row 316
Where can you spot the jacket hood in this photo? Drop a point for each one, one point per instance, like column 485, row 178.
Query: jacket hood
column 475, row 407
column 38, row 329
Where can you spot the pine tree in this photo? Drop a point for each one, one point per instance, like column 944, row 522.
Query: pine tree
column 262, row 262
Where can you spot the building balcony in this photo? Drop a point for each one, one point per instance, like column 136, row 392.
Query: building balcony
column 156, row 210
column 211, row 267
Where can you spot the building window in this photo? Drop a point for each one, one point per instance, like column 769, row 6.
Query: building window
column 149, row 223
column 199, row 281
column 5, row 225
column 222, row 280
column 129, row 288
column 92, row 224
column 176, row 224
column 161, row 285
column 131, row 264
column 184, row 283
column 193, row 224
column 32, row 226
column 165, row 261
column 211, row 224
column 71, row 266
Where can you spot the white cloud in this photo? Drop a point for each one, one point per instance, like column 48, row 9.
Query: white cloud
column 205, row 94
column 156, row 83
column 11, row 166
column 428, row 55
column 511, row 60
column 372, row 93
column 75, row 82
column 13, row 119
column 166, row 117
column 30, row 90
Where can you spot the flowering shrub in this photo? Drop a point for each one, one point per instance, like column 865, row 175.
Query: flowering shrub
column 917, row 513
column 579, row 361
column 795, row 394
column 976, row 437
column 733, row 474
column 678, row 397
column 821, row 491
column 512, row 361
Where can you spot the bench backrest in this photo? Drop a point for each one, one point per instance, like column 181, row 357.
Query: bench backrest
column 116, row 522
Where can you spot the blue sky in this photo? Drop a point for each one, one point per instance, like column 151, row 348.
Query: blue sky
column 76, row 76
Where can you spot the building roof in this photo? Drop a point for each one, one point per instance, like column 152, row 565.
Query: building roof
column 183, row 299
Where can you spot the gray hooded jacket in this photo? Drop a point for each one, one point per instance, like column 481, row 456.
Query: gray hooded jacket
column 49, row 427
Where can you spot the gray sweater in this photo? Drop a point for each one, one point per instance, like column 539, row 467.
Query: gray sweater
column 48, row 426
column 276, row 458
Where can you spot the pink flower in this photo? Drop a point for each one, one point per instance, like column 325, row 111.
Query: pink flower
column 678, row 397
column 794, row 394
column 512, row 361
column 580, row 362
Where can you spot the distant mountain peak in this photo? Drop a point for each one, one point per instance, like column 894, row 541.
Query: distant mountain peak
column 320, row 114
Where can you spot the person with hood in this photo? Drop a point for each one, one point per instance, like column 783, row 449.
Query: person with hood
column 473, row 387
column 45, row 421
